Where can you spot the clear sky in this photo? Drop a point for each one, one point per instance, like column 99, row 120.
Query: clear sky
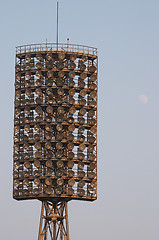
column 126, row 34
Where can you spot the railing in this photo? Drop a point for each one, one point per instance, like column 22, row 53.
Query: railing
column 54, row 47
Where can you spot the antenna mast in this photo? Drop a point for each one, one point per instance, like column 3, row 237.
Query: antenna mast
column 57, row 24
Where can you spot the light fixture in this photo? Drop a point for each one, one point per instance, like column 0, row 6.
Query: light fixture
column 82, row 66
column 81, row 83
column 71, row 182
column 60, row 110
column 60, row 91
column 93, row 77
column 70, row 155
column 91, row 121
column 16, row 183
column 59, row 145
column 93, row 103
column 35, row 191
column 80, row 165
column 38, row 65
column 28, row 57
column 82, row 111
column 92, row 69
column 39, row 110
column 58, row 190
column 83, row 75
column 91, row 156
column 81, row 120
column 60, row 65
column 61, row 74
column 48, row 190
column 70, row 164
column 48, row 181
column 72, row 110
column 50, row 74
column 73, row 57
column 28, row 92
column 82, row 146
column 91, row 174
column 37, row 145
column 92, row 86
column 81, row 156
column 81, row 129
column 59, row 127
column 91, row 166
column 71, row 83
column 70, row 191
column 72, row 65
column 71, row 127
column 60, row 181
column 49, row 56
column 59, row 173
column 48, row 172
column 27, row 75
column 81, row 192
column 81, row 183
column 83, row 92
column 37, row 181
column 26, row 182
column 49, row 164
column 91, row 139
column 27, row 164
column 71, row 100
column 70, row 120
column 90, row 148
column 93, row 130
column 39, row 82
column 70, row 173
column 72, row 92
column 25, row 192
column 70, row 137
column 15, row 175
column 37, row 163
column 93, row 94
column 38, row 154
column 36, row 173
column 81, row 137
column 70, row 146
column 81, row 174
column 59, row 154
column 38, row 73
column 61, row 55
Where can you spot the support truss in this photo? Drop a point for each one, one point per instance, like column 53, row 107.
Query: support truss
column 54, row 221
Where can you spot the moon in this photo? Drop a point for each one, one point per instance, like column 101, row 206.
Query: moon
column 143, row 98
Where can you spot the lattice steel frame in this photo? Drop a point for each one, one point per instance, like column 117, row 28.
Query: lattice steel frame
column 54, row 221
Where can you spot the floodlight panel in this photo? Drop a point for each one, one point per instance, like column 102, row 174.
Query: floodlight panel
column 55, row 125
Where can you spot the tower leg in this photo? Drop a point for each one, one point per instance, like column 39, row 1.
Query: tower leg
column 54, row 221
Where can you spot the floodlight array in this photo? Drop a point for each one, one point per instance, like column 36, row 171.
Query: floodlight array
column 55, row 125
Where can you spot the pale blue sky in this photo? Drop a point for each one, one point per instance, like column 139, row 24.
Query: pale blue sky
column 126, row 34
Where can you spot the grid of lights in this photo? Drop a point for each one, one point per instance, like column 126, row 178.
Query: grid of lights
column 55, row 124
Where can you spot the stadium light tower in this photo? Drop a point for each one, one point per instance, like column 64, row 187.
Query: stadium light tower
column 55, row 130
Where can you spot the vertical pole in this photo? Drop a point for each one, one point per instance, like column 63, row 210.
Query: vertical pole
column 62, row 209
column 57, row 23
column 54, row 222
column 41, row 220
column 46, row 221
column 67, row 228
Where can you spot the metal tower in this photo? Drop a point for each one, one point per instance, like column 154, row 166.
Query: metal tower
column 55, row 130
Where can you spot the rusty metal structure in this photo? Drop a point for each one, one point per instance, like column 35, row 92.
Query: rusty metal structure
column 55, row 130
